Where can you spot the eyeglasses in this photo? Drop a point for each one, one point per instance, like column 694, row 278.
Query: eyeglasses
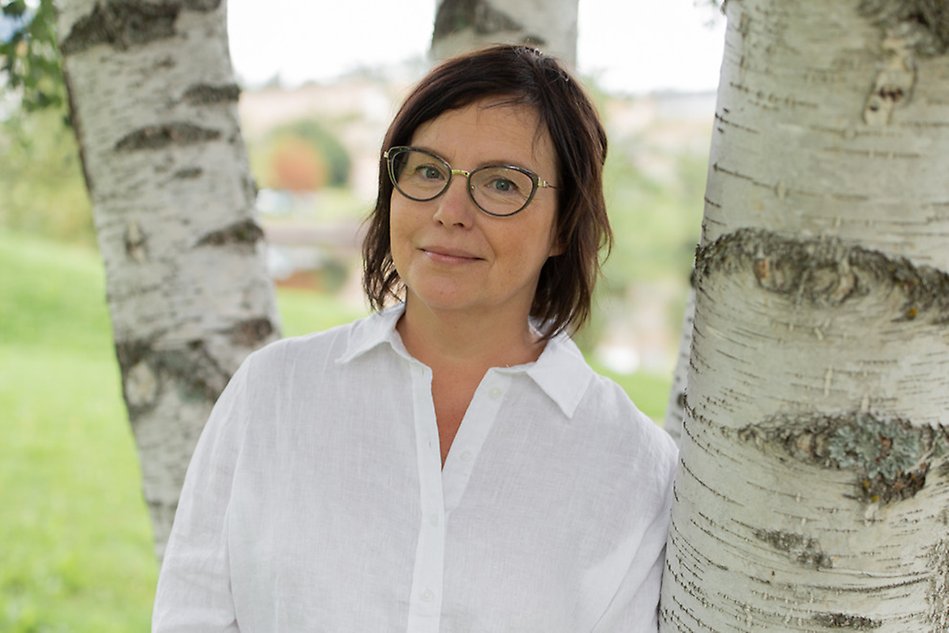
column 498, row 190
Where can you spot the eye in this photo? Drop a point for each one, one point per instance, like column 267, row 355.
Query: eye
column 503, row 185
column 429, row 172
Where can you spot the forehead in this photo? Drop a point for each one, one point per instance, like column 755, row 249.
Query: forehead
column 489, row 131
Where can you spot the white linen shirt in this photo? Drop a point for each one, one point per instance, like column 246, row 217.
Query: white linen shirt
column 316, row 499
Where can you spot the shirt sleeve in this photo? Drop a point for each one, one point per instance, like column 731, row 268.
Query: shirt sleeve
column 194, row 593
column 635, row 607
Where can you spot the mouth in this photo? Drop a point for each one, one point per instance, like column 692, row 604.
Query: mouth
column 449, row 255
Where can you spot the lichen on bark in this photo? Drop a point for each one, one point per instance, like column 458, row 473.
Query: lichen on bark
column 889, row 457
column 825, row 271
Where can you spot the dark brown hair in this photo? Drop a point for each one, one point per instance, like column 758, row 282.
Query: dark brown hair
column 523, row 76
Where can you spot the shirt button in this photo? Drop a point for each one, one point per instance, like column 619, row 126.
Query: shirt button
column 466, row 456
column 433, row 519
column 494, row 393
column 427, row 595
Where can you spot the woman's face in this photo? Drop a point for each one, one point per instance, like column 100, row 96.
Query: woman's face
column 450, row 255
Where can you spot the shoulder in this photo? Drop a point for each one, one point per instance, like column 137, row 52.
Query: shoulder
column 319, row 348
column 633, row 438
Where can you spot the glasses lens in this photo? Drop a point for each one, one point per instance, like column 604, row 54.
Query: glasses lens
column 501, row 190
column 418, row 175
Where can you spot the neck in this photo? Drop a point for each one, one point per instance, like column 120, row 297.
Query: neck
column 475, row 342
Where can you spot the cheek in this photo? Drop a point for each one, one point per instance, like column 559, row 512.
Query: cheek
column 401, row 228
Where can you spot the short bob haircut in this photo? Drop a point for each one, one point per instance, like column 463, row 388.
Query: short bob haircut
column 517, row 75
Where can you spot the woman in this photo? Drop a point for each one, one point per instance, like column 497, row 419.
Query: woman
column 449, row 463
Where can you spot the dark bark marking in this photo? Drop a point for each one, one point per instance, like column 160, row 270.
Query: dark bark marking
column 890, row 457
column 122, row 25
column 161, row 136
column 250, row 333
column 730, row 123
column 825, row 271
column 130, row 353
column 189, row 173
column 190, row 369
column 846, row 621
column 799, row 548
column 924, row 23
column 250, row 188
column 458, row 15
column 206, row 94
column 201, row 6
column 243, row 232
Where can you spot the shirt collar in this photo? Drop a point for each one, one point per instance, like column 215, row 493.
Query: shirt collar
column 561, row 371
column 374, row 330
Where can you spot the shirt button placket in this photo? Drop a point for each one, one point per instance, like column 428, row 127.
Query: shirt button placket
column 425, row 605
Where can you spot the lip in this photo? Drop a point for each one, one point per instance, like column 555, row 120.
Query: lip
column 447, row 255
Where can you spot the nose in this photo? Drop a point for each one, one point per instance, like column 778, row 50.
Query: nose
column 455, row 206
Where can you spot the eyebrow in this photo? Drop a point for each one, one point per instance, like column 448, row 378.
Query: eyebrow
column 490, row 163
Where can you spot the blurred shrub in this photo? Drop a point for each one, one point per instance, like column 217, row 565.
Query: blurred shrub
column 295, row 165
column 310, row 144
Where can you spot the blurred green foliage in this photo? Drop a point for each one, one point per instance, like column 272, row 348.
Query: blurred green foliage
column 656, row 223
column 41, row 187
column 29, row 57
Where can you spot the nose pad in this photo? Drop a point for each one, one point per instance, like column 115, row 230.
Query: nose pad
column 455, row 206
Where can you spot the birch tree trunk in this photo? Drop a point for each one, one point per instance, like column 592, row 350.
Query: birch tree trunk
column 813, row 492
column 153, row 102
column 464, row 25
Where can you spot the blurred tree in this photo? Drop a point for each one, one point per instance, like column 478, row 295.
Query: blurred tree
column 814, row 488
column 320, row 153
column 463, row 25
column 295, row 165
column 153, row 104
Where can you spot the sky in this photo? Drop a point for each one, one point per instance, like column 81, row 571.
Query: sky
column 631, row 46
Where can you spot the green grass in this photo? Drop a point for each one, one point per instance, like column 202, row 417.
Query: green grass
column 75, row 543
column 650, row 392
column 304, row 311
column 75, row 539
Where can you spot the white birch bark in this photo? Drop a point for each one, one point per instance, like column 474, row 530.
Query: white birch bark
column 813, row 493
column 464, row 25
column 153, row 101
